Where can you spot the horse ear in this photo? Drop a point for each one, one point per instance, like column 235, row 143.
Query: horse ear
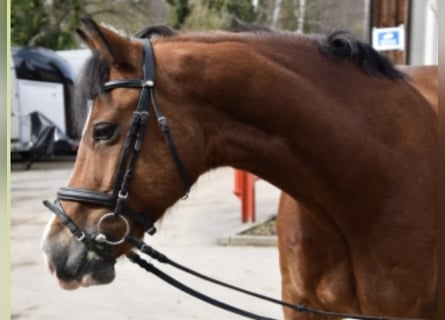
column 112, row 47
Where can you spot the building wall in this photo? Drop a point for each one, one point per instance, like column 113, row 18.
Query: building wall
column 424, row 32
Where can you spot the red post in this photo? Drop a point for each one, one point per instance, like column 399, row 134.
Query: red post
column 244, row 189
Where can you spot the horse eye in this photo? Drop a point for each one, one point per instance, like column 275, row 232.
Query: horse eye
column 104, row 131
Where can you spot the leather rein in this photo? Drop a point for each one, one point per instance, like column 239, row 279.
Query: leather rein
column 117, row 201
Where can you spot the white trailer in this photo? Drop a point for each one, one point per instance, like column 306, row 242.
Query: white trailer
column 41, row 113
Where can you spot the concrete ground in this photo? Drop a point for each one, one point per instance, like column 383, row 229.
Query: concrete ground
column 189, row 234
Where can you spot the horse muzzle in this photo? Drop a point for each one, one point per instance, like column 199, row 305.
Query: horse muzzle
column 83, row 260
column 75, row 264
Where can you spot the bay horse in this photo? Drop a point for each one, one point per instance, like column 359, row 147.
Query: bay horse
column 314, row 265
column 326, row 119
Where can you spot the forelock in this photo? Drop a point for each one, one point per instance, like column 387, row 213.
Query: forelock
column 90, row 82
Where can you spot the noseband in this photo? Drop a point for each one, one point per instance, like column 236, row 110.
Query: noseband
column 132, row 146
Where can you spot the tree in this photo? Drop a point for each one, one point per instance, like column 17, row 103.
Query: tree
column 181, row 10
column 219, row 14
column 45, row 23
column 52, row 23
column 314, row 16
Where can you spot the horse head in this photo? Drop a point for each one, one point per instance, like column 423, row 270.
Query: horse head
column 131, row 164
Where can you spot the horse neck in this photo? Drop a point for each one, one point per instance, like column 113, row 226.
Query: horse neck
column 240, row 97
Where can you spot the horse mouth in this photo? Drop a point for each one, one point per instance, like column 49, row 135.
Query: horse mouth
column 86, row 281
column 89, row 271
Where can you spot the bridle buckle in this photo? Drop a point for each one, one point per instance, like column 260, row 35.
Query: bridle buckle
column 81, row 237
column 149, row 84
column 122, row 195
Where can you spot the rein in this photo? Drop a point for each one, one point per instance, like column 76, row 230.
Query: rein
column 117, row 200
column 151, row 252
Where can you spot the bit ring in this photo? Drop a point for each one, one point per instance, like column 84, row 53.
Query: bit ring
column 104, row 238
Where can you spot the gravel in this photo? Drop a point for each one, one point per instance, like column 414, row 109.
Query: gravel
column 267, row 228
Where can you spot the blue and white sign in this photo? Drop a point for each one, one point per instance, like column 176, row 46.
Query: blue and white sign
column 388, row 38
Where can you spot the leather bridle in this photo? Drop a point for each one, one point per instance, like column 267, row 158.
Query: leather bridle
column 117, row 200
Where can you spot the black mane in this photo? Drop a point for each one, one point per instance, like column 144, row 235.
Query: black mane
column 338, row 45
column 150, row 31
column 341, row 44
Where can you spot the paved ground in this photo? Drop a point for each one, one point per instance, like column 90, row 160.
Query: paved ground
column 189, row 234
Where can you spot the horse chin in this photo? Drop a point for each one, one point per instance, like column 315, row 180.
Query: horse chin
column 86, row 280
column 88, row 271
column 99, row 273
